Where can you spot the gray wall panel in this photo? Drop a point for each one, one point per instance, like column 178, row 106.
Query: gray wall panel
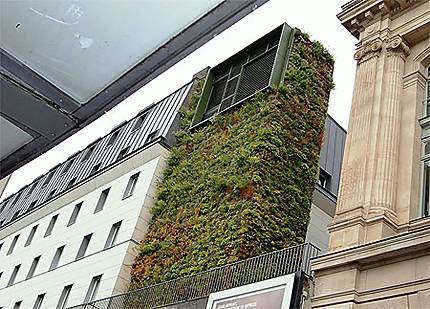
column 331, row 155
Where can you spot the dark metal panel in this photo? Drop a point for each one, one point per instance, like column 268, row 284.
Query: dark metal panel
column 38, row 84
column 331, row 154
column 32, row 112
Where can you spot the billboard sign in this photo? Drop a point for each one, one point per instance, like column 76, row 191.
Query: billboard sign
column 269, row 294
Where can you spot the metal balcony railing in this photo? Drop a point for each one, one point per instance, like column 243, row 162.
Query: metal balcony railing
column 263, row 267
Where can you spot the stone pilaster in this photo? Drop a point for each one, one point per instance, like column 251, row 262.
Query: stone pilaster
column 354, row 165
column 367, row 200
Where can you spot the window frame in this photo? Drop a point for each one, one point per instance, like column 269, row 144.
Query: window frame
column 84, row 246
column 13, row 244
column 39, row 301
column 93, row 289
column 64, row 297
column 31, row 235
column 101, row 202
column 33, row 267
column 56, row 258
column 51, row 226
column 277, row 43
column 13, row 276
column 113, row 235
column 131, row 185
column 75, row 213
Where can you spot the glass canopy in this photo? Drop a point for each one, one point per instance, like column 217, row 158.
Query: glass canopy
column 83, row 46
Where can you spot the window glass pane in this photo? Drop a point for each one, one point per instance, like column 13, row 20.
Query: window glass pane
column 75, row 214
column 93, row 289
column 31, row 235
column 217, row 93
column 38, row 302
column 71, row 183
column 57, row 257
column 68, row 166
column 31, row 189
column 62, row 302
column 95, row 168
column 13, row 276
column 102, row 200
column 131, row 185
column 51, row 226
column 113, row 235
column 33, row 267
column 84, row 245
column 12, row 245
column 48, row 179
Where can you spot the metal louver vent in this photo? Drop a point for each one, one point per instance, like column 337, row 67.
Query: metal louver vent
column 256, row 75
column 253, row 69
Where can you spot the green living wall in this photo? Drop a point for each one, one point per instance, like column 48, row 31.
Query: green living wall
column 241, row 185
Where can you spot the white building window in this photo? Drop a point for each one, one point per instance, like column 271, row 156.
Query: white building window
column 113, row 234
column 51, row 226
column 130, row 186
column 33, row 267
column 84, row 245
column 31, row 235
column 12, row 245
column 39, row 301
column 93, row 289
column 75, row 214
column 56, row 258
column 62, row 302
column 102, row 200
column 13, row 276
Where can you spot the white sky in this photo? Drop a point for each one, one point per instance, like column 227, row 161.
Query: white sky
column 316, row 17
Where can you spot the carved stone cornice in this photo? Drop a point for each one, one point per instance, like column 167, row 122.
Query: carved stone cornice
column 397, row 45
column 369, row 50
column 356, row 14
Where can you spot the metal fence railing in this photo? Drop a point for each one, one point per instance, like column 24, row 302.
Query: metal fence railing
column 263, row 267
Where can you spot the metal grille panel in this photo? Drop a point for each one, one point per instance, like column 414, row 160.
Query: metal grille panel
column 217, row 93
column 267, row 266
column 256, row 75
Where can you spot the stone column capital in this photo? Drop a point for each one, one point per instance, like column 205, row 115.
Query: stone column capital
column 369, row 50
column 397, row 45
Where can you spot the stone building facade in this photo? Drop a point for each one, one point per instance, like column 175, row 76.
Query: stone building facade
column 379, row 251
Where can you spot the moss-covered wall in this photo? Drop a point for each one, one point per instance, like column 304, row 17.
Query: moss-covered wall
column 242, row 185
